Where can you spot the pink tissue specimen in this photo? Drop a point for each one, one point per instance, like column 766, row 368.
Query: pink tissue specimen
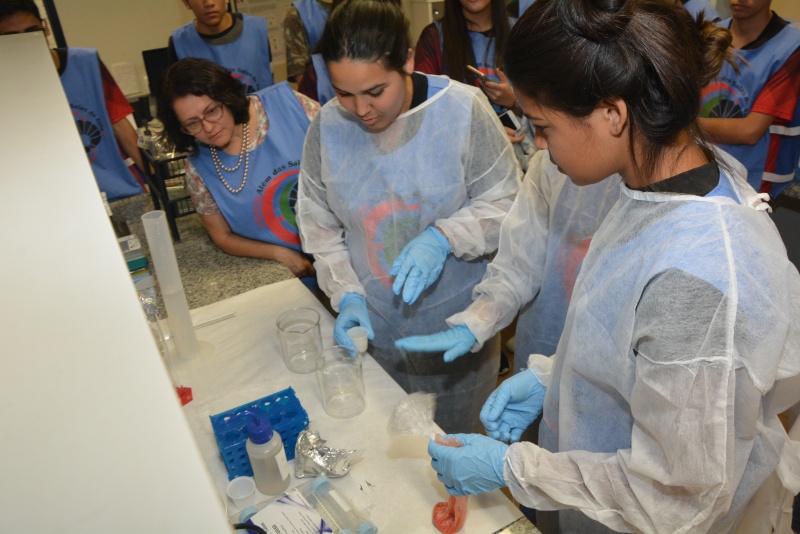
column 449, row 517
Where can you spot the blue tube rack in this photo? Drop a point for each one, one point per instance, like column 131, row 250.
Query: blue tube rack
column 284, row 411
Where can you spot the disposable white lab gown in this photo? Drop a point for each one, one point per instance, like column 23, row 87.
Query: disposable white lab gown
column 543, row 241
column 363, row 196
column 681, row 346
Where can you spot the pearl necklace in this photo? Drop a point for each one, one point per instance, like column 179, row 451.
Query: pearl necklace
column 243, row 154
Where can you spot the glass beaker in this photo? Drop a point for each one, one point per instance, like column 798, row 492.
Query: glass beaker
column 298, row 330
column 341, row 382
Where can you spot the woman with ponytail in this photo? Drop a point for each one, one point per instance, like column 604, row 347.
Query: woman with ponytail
column 404, row 183
column 682, row 338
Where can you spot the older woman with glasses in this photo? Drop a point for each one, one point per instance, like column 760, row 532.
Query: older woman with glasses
column 244, row 158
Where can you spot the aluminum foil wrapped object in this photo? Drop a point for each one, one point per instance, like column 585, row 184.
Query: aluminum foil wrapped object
column 312, row 458
column 413, row 415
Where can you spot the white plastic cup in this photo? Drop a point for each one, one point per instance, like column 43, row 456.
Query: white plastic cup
column 298, row 330
column 360, row 337
column 242, row 492
column 341, row 382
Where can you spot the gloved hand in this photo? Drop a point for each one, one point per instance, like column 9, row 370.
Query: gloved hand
column 513, row 406
column 456, row 342
column 419, row 263
column 352, row 312
column 475, row 467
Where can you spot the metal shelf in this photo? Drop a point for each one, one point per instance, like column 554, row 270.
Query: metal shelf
column 168, row 187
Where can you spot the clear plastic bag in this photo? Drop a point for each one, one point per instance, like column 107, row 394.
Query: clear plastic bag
column 414, row 416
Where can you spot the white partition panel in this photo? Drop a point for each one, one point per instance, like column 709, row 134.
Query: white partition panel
column 92, row 437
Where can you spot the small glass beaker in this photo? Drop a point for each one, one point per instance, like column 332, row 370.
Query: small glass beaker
column 341, row 382
column 298, row 330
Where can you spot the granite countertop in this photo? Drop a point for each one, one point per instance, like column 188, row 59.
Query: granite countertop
column 208, row 274
column 520, row 526
column 792, row 191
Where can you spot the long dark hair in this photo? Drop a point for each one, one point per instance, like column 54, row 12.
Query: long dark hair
column 457, row 50
column 569, row 55
column 367, row 30
column 199, row 77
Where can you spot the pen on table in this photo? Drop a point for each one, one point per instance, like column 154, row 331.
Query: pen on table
column 214, row 320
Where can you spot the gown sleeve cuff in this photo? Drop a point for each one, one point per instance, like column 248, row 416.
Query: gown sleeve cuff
column 542, row 367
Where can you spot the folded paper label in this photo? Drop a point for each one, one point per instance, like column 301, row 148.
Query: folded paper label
column 291, row 514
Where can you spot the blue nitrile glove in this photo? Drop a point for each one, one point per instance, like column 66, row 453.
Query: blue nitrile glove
column 419, row 263
column 456, row 342
column 513, row 406
column 352, row 312
column 475, row 467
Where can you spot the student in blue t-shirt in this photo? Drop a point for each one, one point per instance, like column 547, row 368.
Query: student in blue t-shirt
column 98, row 106
column 238, row 42
column 753, row 112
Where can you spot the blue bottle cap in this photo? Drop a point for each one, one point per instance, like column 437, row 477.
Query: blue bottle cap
column 259, row 429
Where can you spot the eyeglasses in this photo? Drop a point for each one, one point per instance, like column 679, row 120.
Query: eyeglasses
column 213, row 114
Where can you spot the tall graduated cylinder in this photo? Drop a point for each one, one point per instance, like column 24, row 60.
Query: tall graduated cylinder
column 159, row 241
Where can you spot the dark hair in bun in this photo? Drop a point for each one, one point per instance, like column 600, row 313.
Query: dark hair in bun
column 367, row 30
column 569, row 55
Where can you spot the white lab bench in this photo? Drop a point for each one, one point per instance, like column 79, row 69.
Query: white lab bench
column 247, row 364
